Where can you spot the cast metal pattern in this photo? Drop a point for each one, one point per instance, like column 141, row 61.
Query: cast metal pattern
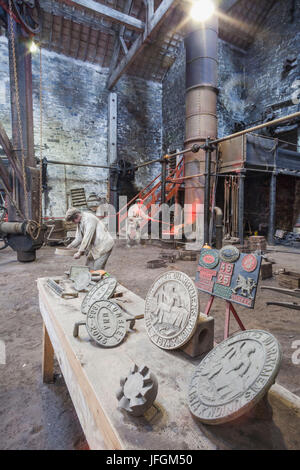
column 229, row 253
column 245, row 286
column 138, row 391
column 249, row 263
column 106, row 323
column 209, row 258
column 171, row 310
column 234, row 376
column 101, row 291
column 82, row 280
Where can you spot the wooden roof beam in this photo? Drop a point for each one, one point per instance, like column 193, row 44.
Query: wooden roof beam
column 153, row 23
column 108, row 13
column 77, row 16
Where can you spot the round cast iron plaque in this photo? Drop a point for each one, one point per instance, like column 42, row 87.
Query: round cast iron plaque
column 234, row 376
column 249, row 263
column 101, row 291
column 209, row 258
column 229, row 253
column 106, row 323
column 171, row 310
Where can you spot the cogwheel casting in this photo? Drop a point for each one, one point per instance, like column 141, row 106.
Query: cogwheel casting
column 138, row 391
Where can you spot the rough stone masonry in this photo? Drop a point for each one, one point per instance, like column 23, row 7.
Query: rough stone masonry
column 75, row 110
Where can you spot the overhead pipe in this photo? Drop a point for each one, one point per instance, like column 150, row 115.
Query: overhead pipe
column 219, row 227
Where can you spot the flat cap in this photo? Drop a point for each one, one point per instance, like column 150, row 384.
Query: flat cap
column 70, row 213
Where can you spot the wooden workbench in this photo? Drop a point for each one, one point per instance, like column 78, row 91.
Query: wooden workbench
column 92, row 375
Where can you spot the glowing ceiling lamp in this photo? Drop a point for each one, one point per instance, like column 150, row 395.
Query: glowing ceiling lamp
column 33, row 47
column 202, row 10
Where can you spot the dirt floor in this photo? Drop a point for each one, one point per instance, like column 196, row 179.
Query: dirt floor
column 38, row 416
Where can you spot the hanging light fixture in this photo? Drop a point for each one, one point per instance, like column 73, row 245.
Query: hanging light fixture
column 33, row 47
column 202, row 10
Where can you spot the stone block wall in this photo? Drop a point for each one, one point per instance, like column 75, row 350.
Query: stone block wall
column 75, row 112
column 277, row 40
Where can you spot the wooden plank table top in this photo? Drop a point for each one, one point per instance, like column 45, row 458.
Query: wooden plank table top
column 92, row 375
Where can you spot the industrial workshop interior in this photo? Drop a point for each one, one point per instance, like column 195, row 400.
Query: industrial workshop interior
column 150, row 227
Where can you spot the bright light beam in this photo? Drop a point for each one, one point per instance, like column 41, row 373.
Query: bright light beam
column 202, row 10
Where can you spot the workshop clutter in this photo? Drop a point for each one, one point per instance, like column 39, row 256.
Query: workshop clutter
column 246, row 364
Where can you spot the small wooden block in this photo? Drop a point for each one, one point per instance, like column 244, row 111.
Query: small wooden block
column 117, row 294
column 202, row 340
column 266, row 270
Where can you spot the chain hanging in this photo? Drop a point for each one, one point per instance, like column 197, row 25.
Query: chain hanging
column 41, row 144
column 12, row 38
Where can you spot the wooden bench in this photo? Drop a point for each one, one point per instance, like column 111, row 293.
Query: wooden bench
column 92, row 375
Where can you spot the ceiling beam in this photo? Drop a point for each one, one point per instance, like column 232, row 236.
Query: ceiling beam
column 76, row 16
column 117, row 45
column 154, row 23
column 108, row 13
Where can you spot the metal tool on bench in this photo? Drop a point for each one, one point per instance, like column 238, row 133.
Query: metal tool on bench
column 292, row 292
column 291, row 305
column 59, row 290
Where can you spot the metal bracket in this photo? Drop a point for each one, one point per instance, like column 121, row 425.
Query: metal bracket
column 76, row 328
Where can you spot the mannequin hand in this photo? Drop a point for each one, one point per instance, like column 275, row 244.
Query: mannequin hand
column 77, row 255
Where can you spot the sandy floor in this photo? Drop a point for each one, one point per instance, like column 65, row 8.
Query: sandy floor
column 38, row 416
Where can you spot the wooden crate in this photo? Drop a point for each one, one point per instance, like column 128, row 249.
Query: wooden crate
column 266, row 270
column 289, row 279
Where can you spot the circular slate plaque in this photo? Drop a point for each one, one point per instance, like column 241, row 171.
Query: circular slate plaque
column 249, row 263
column 171, row 310
column 234, row 376
column 106, row 323
column 101, row 291
column 209, row 258
column 229, row 253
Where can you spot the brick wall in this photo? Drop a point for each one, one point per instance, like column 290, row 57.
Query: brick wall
column 75, row 123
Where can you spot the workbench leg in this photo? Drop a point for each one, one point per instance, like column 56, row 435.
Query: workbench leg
column 48, row 357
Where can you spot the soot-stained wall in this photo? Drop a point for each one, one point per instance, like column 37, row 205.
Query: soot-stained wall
column 249, row 82
column 266, row 82
column 230, row 106
column 75, row 123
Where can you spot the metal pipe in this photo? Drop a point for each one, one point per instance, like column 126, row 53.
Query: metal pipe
column 207, row 194
column 272, row 208
column 53, row 162
column 219, row 227
column 201, row 46
column 163, row 181
column 255, row 128
column 194, row 148
column 11, row 227
column 241, row 208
